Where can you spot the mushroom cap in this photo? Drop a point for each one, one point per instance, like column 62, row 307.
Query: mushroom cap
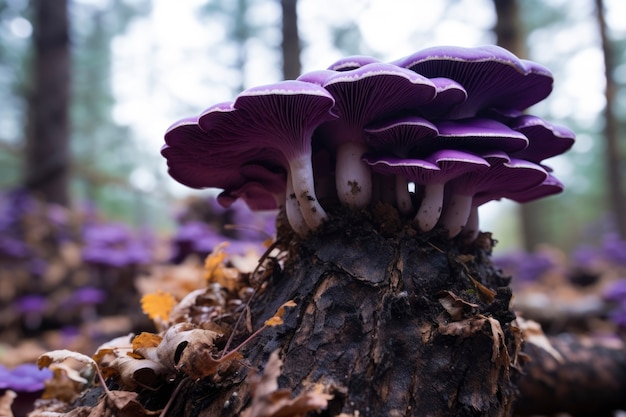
column 479, row 135
column 492, row 76
column 264, row 188
column 371, row 93
column 450, row 94
column 254, row 194
column 194, row 162
column 318, row 77
column 500, row 180
column 439, row 167
column 545, row 139
column 352, row 62
column 281, row 116
column 550, row 186
column 401, row 134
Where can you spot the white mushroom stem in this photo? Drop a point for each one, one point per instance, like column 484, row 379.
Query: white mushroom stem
column 352, row 176
column 430, row 208
column 471, row 229
column 456, row 211
column 292, row 209
column 301, row 174
column 403, row 197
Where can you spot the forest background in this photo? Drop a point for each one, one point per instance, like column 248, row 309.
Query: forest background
column 87, row 88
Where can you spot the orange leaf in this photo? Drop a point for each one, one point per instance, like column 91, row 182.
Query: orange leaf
column 277, row 319
column 146, row 340
column 158, row 305
column 216, row 272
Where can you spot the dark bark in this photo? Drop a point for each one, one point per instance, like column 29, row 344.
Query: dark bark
column 510, row 35
column 47, row 165
column 379, row 325
column 587, row 379
column 291, row 40
column 615, row 174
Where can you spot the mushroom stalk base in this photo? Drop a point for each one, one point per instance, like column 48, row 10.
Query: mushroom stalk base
column 389, row 322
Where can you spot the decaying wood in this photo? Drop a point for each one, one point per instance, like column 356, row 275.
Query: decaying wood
column 586, row 376
column 389, row 322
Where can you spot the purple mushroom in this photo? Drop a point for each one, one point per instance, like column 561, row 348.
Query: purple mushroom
column 318, row 77
column 450, row 94
column 479, row 135
column 500, row 178
column 492, row 76
column 550, row 186
column 264, row 188
column 545, row 139
column 352, row 62
column 397, row 138
column 363, row 96
column 432, row 173
column 277, row 119
column 288, row 145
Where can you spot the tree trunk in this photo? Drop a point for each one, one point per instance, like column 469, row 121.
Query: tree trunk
column 291, row 40
column 388, row 321
column 586, row 377
column 510, row 35
column 47, row 146
column 615, row 175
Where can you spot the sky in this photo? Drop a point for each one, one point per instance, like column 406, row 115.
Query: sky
column 172, row 63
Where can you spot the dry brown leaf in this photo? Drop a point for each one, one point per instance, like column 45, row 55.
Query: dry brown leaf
column 72, row 372
column 181, row 310
column 269, row 401
column 139, row 372
column 111, row 349
column 456, row 307
column 61, row 386
column 462, row 328
column 188, row 349
column 126, row 404
column 58, row 356
column 217, row 272
column 532, row 333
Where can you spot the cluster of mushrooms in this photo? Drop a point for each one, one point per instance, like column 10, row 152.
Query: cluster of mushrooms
column 436, row 134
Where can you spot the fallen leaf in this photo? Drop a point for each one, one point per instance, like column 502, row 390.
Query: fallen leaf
column 277, row 318
column 217, row 272
column 146, row 340
column 189, row 349
column 158, row 305
column 269, row 401
column 532, row 333
column 456, row 307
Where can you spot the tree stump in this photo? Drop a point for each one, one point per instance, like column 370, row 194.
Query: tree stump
column 389, row 321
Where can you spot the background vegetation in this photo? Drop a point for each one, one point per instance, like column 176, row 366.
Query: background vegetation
column 84, row 96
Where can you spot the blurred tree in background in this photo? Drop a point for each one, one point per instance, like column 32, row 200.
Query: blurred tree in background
column 106, row 154
column 47, row 154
